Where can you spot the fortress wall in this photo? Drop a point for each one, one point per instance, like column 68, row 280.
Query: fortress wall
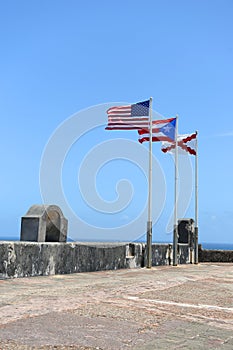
column 208, row 255
column 23, row 259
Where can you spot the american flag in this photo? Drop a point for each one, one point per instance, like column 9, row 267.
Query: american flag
column 162, row 130
column 130, row 117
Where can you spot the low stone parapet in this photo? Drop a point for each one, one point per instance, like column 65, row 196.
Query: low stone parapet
column 22, row 259
column 211, row 255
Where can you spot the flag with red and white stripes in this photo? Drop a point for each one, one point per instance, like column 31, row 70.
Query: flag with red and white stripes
column 162, row 130
column 129, row 117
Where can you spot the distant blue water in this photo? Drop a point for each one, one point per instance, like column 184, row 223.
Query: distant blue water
column 215, row 246
column 17, row 238
column 9, row 238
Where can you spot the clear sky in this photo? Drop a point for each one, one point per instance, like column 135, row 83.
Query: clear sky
column 62, row 57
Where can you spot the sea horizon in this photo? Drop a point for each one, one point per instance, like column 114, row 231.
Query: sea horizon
column 205, row 245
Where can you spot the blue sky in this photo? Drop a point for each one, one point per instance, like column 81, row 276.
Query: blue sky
column 62, row 57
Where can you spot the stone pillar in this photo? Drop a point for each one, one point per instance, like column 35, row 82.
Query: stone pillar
column 44, row 223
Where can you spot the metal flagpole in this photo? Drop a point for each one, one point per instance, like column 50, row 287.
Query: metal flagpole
column 196, row 206
column 149, row 222
column 175, row 232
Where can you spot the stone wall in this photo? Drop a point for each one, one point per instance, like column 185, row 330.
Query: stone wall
column 22, row 259
column 207, row 255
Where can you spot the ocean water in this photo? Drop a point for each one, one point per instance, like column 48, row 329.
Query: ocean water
column 17, row 238
column 9, row 238
column 205, row 245
column 217, row 246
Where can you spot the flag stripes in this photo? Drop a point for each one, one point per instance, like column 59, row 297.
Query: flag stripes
column 129, row 117
column 162, row 130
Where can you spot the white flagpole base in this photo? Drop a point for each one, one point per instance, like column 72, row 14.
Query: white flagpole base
column 196, row 245
column 149, row 245
column 175, row 245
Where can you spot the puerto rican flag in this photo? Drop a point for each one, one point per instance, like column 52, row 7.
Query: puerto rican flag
column 186, row 143
column 162, row 130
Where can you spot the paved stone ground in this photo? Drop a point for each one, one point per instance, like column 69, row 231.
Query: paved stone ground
column 184, row 307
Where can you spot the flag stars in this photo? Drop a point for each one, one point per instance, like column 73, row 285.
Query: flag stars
column 167, row 128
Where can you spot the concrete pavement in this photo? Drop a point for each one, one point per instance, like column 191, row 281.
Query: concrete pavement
column 184, row 307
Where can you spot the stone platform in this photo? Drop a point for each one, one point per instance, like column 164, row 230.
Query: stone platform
column 184, row 307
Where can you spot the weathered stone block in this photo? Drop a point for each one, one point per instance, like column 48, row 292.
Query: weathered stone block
column 185, row 231
column 44, row 223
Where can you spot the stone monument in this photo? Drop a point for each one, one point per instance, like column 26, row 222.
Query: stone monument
column 44, row 223
column 185, row 231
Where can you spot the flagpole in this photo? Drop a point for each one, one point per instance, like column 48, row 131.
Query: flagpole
column 175, row 232
column 196, row 205
column 149, row 222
